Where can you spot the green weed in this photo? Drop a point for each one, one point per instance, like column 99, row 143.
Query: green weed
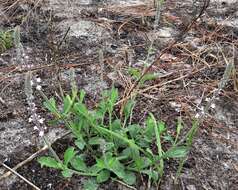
column 120, row 150
column 6, row 40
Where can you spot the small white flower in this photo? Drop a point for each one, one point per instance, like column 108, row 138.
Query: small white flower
column 35, row 128
column 30, row 120
column 38, row 87
column 41, row 121
column 38, row 79
column 197, row 115
column 32, row 83
column 207, row 99
column 41, row 133
column 213, row 105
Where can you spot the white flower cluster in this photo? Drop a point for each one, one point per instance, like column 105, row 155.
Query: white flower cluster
column 35, row 117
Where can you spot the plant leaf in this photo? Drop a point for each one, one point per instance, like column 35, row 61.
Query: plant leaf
column 134, row 130
column 51, row 105
column 49, row 162
column 78, row 163
column 103, row 176
column 96, row 141
column 68, row 155
column 128, row 108
column 67, row 104
column 80, row 143
column 176, row 152
column 129, row 178
column 67, row 173
column 90, row 185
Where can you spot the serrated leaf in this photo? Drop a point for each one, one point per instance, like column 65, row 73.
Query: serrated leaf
column 68, row 155
column 49, row 162
column 78, row 163
column 176, row 152
column 103, row 176
column 90, row 185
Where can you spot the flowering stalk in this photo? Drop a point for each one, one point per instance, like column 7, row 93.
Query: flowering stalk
column 36, row 118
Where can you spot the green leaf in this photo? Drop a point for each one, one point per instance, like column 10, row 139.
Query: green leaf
column 81, row 96
column 148, row 77
column 116, row 125
column 78, row 163
column 80, row 143
column 95, row 169
column 149, row 131
column 67, row 173
column 103, row 176
column 134, row 130
column 128, row 108
column 114, row 96
column 68, row 155
column 90, row 185
column 51, row 105
column 96, row 141
column 81, row 110
column 116, row 167
column 161, row 127
column 135, row 73
column 67, row 104
column 152, row 174
column 111, row 163
column 129, row 178
column 176, row 152
column 49, row 162
column 168, row 138
column 107, row 146
column 136, row 157
column 101, row 163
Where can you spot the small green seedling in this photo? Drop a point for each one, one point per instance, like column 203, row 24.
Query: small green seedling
column 6, row 40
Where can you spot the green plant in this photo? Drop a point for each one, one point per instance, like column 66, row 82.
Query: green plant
column 6, row 40
column 136, row 74
column 118, row 149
